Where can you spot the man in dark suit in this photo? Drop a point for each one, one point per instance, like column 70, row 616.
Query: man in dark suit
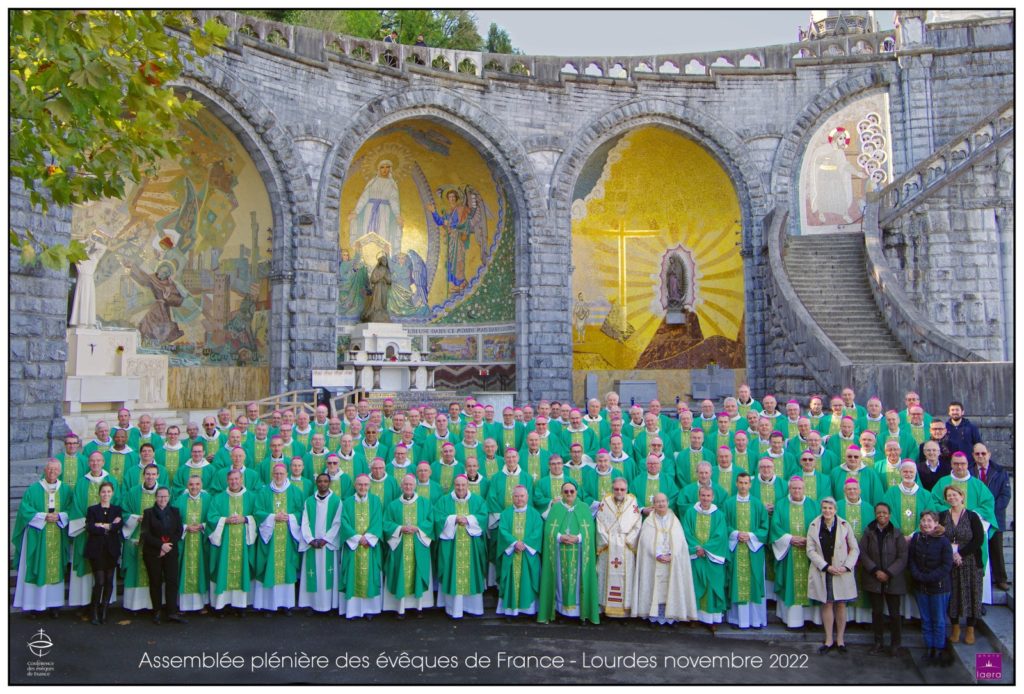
column 998, row 482
column 161, row 532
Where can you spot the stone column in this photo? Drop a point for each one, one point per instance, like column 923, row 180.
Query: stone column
column 376, row 378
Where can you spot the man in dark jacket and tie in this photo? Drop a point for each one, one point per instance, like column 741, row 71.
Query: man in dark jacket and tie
column 161, row 532
column 998, row 482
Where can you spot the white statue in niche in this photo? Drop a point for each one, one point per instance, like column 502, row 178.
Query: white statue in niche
column 831, row 185
column 378, row 210
column 83, row 309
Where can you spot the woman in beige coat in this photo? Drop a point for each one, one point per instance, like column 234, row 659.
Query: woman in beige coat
column 833, row 552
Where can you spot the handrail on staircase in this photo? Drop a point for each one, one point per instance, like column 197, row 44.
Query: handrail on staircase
column 304, row 398
column 910, row 189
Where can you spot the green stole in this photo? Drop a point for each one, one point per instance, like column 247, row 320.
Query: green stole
column 595, row 426
column 289, row 449
column 651, row 489
column 604, row 485
column 463, row 546
column 702, row 528
column 743, row 571
column 236, row 542
column 533, row 464
column 743, row 460
column 569, row 558
column 377, row 489
column 260, row 448
column 779, row 461
column 918, row 433
column 908, row 512
column 518, row 532
column 810, row 484
column 792, row 428
column 117, row 464
column 801, row 565
column 304, row 439
column 361, row 511
column 280, row 503
column 576, row 437
column 319, row 461
column 447, row 476
column 491, row 467
column 333, row 441
column 511, row 482
column 347, row 465
column 696, row 458
column 875, row 425
column 474, row 487
column 69, row 471
column 51, row 541
column 853, row 517
column 725, row 478
column 576, row 474
column 171, row 461
column 892, row 475
column 508, row 437
column 424, row 491
column 408, row 548
column 684, row 438
column 193, row 516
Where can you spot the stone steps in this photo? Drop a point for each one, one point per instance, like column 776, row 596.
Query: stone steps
column 827, row 273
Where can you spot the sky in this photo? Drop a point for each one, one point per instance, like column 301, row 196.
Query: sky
column 647, row 32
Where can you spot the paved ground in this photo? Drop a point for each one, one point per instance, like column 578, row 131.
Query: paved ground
column 439, row 651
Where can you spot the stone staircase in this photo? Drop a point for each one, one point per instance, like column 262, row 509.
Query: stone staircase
column 827, row 273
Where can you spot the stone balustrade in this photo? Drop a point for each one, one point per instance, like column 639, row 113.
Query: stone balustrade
column 914, row 330
column 907, row 191
column 321, row 46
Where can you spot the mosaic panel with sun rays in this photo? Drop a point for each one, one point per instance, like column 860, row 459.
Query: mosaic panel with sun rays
column 656, row 236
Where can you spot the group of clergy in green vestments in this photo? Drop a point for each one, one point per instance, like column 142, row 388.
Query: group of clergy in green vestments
column 404, row 511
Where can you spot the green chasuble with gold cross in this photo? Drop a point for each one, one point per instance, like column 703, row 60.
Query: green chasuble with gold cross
column 568, row 582
column 462, row 550
column 519, row 572
column 194, row 550
column 791, row 569
column 360, row 575
column 45, row 547
column 233, row 550
column 407, row 566
column 746, row 565
column 710, row 531
column 277, row 552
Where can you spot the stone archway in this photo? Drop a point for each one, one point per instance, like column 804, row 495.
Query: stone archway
column 725, row 146
column 786, row 162
column 496, row 145
column 294, row 349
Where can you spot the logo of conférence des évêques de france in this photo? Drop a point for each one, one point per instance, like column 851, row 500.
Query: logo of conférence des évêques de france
column 40, row 644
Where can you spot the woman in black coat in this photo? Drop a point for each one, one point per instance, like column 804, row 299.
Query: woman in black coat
column 930, row 558
column 883, row 559
column 103, row 549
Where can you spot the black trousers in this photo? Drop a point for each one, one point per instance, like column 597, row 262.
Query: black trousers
column 997, row 557
column 163, row 579
column 878, row 602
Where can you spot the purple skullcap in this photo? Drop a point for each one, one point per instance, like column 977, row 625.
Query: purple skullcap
column 722, row 414
column 281, row 465
column 776, row 433
column 576, row 445
column 402, row 446
column 602, row 450
column 575, row 409
column 847, row 417
column 868, row 431
column 792, row 402
column 299, row 457
column 725, row 447
column 463, row 476
column 361, row 476
column 447, row 444
column 796, row 477
column 960, row 454
column 615, row 436
column 851, row 479
column 853, row 447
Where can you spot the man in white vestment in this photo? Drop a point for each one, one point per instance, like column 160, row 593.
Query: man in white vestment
column 618, row 527
column 664, row 583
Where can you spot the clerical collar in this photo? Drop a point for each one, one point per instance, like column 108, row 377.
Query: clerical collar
column 855, row 503
column 240, row 469
column 123, row 451
column 240, row 492
column 804, row 473
column 48, row 486
column 876, row 419
column 653, row 433
column 395, row 464
column 519, row 510
column 465, row 498
column 705, row 511
column 410, row 500
column 209, row 438
column 653, row 477
column 374, row 479
column 911, row 490
column 91, row 477
column 361, row 418
column 168, row 447
column 346, row 457
column 792, row 421
column 724, row 469
column 446, row 434
column 372, row 445
column 567, row 506
column 603, row 474
column 451, row 464
column 197, row 497
column 293, row 478
column 361, row 499
column 202, row 463
column 960, row 479
column 257, row 438
column 790, row 497
column 323, row 497
column 893, row 465
column 742, row 499
column 508, row 426
column 336, row 476
column 103, row 443
column 150, row 490
column 278, row 490
column 583, row 427
column 536, row 452
column 512, row 472
column 592, row 419
column 474, row 480
column 303, row 432
column 708, row 419
column 320, row 452
column 846, row 467
column 766, row 481
column 867, row 454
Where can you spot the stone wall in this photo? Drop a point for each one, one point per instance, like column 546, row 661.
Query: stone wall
column 302, row 109
column 952, row 254
column 38, row 334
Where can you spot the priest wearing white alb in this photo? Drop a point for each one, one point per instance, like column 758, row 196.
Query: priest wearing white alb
column 663, row 591
column 618, row 521
column 321, row 526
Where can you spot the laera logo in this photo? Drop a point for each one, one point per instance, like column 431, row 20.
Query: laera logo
column 988, row 666
column 40, row 644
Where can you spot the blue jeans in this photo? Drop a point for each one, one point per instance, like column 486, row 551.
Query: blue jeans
column 933, row 618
